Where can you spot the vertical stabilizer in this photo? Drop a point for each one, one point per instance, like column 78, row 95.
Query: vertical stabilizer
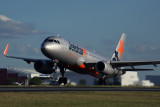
column 117, row 55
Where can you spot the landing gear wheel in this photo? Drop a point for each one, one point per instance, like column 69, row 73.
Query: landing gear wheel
column 62, row 80
column 102, row 81
column 65, row 80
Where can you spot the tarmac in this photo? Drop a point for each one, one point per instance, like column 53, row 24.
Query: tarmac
column 56, row 89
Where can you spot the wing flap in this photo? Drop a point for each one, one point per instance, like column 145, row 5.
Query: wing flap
column 28, row 60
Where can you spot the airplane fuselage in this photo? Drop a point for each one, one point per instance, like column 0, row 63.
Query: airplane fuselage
column 72, row 56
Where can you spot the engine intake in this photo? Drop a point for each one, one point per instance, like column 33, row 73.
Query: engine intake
column 105, row 68
column 43, row 67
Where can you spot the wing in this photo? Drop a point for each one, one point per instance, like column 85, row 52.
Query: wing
column 133, row 63
column 118, row 64
column 28, row 60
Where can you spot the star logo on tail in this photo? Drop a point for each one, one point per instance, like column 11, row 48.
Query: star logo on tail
column 115, row 58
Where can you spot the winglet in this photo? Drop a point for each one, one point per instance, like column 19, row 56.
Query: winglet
column 6, row 50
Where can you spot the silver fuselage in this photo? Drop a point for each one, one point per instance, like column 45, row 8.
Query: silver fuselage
column 60, row 49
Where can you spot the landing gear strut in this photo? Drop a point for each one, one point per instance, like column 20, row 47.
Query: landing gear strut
column 62, row 79
column 55, row 65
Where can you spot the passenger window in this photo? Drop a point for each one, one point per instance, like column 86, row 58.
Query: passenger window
column 71, row 46
column 76, row 49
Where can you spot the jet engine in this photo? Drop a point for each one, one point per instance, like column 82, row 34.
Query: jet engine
column 44, row 67
column 105, row 68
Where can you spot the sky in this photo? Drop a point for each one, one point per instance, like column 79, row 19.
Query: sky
column 93, row 24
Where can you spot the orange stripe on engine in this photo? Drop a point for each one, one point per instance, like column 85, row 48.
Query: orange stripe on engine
column 97, row 72
column 82, row 66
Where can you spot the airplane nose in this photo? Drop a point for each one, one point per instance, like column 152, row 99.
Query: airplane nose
column 44, row 47
column 50, row 50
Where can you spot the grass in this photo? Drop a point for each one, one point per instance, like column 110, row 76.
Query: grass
column 80, row 99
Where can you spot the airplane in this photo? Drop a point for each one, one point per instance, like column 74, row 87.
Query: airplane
column 64, row 55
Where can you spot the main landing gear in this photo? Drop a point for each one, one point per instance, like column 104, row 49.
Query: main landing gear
column 62, row 79
column 102, row 81
column 62, row 70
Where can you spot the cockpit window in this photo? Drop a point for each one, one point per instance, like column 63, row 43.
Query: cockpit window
column 55, row 41
column 50, row 40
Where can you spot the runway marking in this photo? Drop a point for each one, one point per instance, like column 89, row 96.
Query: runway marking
column 37, row 89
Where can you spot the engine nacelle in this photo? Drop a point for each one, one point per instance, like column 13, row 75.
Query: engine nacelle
column 43, row 67
column 105, row 68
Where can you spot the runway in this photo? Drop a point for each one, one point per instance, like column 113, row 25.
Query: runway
column 54, row 89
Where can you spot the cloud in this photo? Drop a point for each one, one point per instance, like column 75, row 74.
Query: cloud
column 144, row 52
column 143, row 49
column 10, row 28
column 35, row 50
column 26, row 49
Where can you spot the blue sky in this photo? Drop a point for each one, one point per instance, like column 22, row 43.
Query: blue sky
column 93, row 24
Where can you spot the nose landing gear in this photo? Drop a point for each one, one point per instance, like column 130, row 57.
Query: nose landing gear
column 62, row 79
